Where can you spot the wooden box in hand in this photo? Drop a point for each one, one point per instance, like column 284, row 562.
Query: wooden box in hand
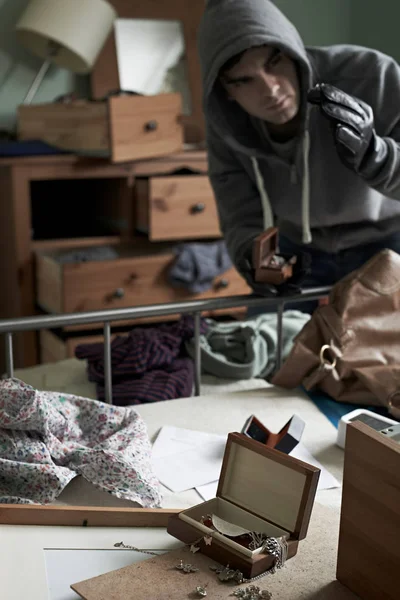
column 260, row 489
column 369, row 548
column 123, row 128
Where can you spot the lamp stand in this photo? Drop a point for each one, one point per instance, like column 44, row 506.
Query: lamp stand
column 36, row 83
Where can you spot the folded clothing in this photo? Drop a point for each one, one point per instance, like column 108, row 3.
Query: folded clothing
column 197, row 265
column 47, row 439
column 148, row 365
column 96, row 253
column 246, row 349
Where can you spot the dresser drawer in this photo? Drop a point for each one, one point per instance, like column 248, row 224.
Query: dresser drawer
column 124, row 128
column 176, row 208
column 132, row 279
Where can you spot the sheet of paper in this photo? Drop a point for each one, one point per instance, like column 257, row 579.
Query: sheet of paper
column 326, row 480
column 64, row 567
column 185, row 459
column 173, row 440
column 197, row 464
column 208, row 491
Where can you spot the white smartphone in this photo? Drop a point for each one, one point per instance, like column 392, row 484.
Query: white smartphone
column 377, row 422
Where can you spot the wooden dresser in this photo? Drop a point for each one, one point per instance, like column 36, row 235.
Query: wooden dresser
column 52, row 204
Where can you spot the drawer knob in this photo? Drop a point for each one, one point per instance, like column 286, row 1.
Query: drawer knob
column 151, row 126
column 222, row 284
column 119, row 293
column 198, row 208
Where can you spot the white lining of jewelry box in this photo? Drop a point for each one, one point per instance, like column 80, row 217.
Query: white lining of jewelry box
column 234, row 514
column 23, row 566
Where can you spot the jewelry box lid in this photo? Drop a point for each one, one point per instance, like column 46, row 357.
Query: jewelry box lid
column 268, row 483
column 264, row 247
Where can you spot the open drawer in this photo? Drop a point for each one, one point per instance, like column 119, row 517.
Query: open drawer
column 138, row 276
column 176, row 208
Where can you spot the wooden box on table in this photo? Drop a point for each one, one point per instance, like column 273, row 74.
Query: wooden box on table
column 260, row 489
column 369, row 549
column 122, row 128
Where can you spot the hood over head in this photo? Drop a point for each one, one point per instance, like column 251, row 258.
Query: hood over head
column 229, row 27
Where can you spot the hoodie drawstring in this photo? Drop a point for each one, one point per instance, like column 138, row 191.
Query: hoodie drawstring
column 266, row 204
column 305, row 195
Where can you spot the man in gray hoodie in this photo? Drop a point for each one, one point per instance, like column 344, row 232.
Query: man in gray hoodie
column 306, row 139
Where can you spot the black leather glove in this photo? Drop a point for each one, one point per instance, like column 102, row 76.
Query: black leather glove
column 353, row 123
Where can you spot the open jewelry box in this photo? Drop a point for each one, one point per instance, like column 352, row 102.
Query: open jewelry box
column 270, row 266
column 260, row 489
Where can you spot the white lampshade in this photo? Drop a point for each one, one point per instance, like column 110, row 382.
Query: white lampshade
column 79, row 27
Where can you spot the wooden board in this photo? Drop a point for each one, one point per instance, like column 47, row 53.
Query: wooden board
column 369, row 549
column 85, row 516
column 310, row 575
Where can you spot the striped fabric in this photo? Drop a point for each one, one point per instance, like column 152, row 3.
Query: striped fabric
column 148, row 365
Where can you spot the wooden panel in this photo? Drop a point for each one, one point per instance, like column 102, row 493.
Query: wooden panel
column 105, row 77
column 180, row 207
column 78, row 126
column 76, row 242
column 85, row 516
column 143, row 127
column 369, row 549
column 17, row 296
column 10, row 305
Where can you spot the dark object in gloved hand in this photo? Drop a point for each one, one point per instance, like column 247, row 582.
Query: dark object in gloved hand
column 291, row 286
column 246, row 269
column 301, row 270
column 358, row 145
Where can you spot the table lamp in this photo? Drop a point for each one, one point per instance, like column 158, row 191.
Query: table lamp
column 68, row 33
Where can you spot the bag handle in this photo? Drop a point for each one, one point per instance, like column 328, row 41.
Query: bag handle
column 325, row 367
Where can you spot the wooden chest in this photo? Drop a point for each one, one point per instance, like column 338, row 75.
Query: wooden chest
column 260, row 490
column 123, row 128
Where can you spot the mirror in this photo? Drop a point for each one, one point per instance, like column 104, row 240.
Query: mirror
column 151, row 58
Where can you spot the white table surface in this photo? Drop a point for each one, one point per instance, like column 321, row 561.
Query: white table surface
column 216, row 413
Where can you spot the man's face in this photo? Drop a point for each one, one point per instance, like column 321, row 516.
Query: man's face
column 265, row 84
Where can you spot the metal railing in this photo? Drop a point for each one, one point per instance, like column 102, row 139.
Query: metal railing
column 195, row 307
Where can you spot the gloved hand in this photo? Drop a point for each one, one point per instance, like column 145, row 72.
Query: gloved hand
column 358, row 145
column 301, row 269
column 292, row 286
column 245, row 267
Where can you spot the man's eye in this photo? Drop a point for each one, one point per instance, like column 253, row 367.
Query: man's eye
column 275, row 59
column 241, row 82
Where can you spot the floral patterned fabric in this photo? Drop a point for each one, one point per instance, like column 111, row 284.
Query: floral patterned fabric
column 47, row 439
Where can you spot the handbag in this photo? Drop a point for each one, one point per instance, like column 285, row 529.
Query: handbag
column 350, row 348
